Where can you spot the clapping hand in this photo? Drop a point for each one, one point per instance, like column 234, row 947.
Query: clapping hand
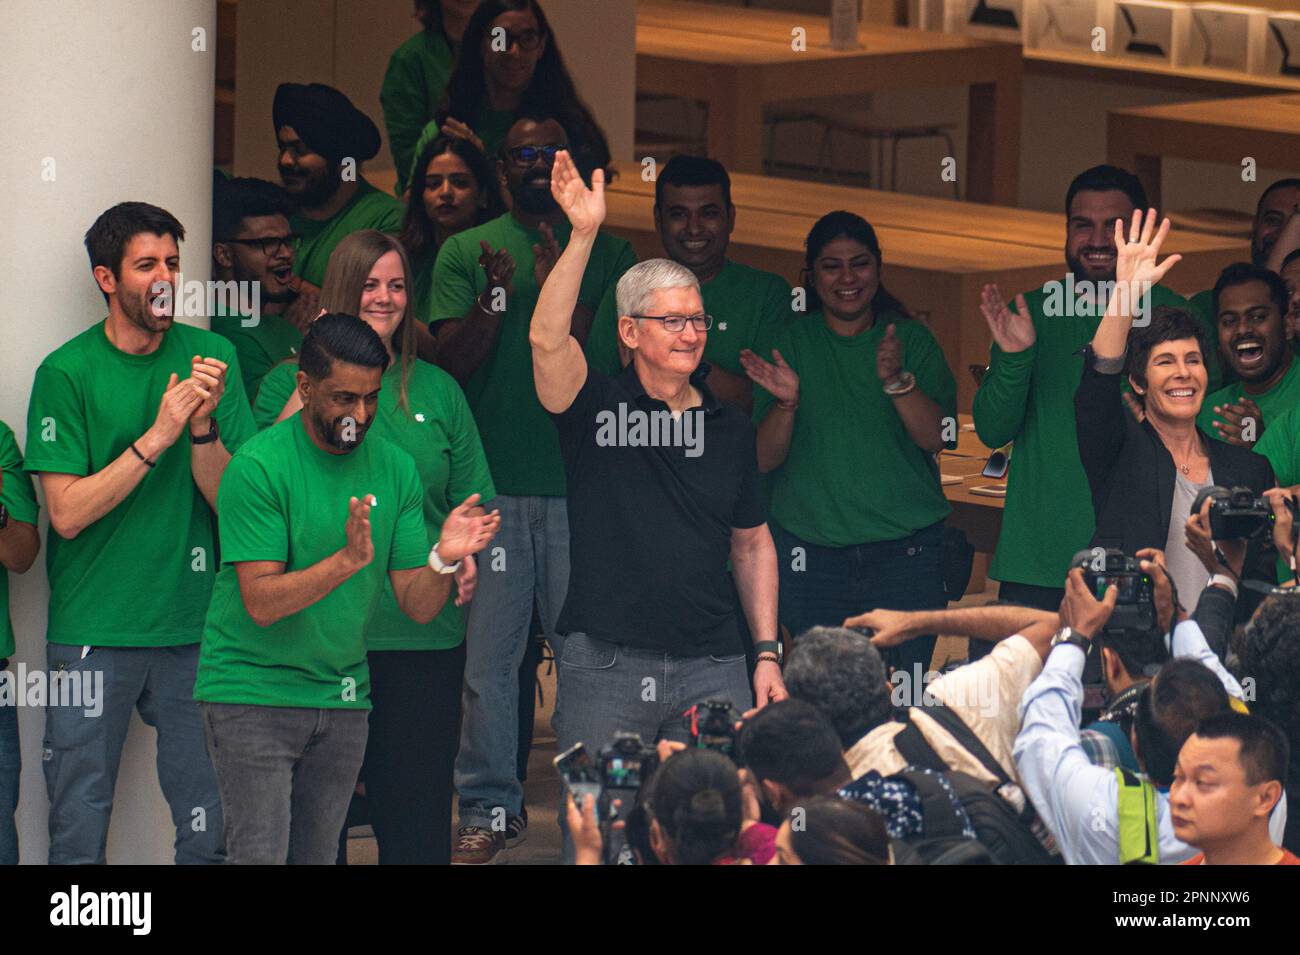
column 179, row 402
column 210, row 374
column 1012, row 331
column 467, row 530
column 545, row 254
column 360, row 549
column 499, row 266
column 889, row 356
column 779, row 379
column 1239, row 417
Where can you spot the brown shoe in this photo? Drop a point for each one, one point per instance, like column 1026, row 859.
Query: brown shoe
column 477, row 846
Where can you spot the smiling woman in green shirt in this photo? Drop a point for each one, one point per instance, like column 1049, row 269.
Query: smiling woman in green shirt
column 850, row 417
column 415, row 669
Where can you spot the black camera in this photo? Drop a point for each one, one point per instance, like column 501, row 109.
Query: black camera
column 707, row 725
column 624, row 765
column 1135, row 609
column 1236, row 514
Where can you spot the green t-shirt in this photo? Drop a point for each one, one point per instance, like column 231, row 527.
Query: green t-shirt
column 1028, row 397
column 522, row 447
column 1201, row 305
column 259, row 346
column 367, row 209
column 422, row 281
column 490, row 125
column 141, row 575
column 1273, row 404
column 853, row 475
column 749, row 307
column 278, row 384
column 19, row 498
column 417, row 76
column 285, row 499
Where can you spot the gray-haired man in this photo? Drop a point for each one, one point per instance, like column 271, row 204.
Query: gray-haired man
column 663, row 490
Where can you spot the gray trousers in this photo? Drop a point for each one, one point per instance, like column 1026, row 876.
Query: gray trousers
column 84, row 733
column 286, row 776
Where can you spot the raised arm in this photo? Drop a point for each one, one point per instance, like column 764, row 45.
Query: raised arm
column 559, row 367
column 1136, row 272
column 892, row 627
column 1003, row 395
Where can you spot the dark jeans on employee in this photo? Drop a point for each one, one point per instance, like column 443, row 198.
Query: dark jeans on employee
column 604, row 688
column 411, row 752
column 10, row 768
column 286, row 775
column 83, row 748
column 823, row 586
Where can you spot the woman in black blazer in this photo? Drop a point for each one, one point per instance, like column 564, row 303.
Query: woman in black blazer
column 1144, row 474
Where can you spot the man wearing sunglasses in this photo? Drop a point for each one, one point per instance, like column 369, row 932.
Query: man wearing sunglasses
column 649, row 622
column 252, row 244
column 485, row 287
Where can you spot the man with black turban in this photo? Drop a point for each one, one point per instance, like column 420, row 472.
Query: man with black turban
column 323, row 140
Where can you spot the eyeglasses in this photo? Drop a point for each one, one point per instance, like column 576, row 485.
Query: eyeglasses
column 528, row 40
column 676, row 323
column 271, row 243
column 527, row 155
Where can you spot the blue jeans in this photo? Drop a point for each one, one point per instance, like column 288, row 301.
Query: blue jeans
column 527, row 560
column 603, row 688
column 823, row 586
column 83, row 750
column 10, row 766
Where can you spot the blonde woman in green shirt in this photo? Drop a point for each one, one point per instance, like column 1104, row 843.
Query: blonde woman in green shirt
column 850, row 416
column 415, row 670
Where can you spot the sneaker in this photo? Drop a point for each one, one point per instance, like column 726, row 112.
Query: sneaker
column 516, row 829
column 476, row 846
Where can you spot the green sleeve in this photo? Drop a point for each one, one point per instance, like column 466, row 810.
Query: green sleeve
column 1277, row 443
column 469, row 467
column 1000, row 402
column 18, row 494
column 276, row 388
column 410, row 537
column 772, row 321
column 405, row 111
column 253, row 523
column 427, row 135
column 923, row 357
column 602, row 343
column 457, row 280
column 234, row 416
column 57, row 440
column 391, row 221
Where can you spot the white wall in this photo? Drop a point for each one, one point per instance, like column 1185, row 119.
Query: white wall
column 115, row 95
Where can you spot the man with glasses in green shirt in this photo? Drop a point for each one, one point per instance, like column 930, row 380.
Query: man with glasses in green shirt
column 485, row 287
column 253, row 247
column 130, row 427
column 322, row 141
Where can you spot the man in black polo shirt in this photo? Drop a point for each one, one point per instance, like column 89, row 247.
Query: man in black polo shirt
column 663, row 490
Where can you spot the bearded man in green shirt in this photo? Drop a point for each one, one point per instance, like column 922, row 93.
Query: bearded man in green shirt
column 130, row 428
column 316, row 520
column 1027, row 395
column 322, row 141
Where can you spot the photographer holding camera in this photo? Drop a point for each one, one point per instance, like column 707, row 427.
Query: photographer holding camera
column 1145, row 475
column 1102, row 816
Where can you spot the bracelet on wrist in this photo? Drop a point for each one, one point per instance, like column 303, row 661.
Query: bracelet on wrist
column 141, row 456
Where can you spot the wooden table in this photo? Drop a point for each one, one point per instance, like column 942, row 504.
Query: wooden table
column 741, row 60
column 1266, row 128
column 979, row 516
column 939, row 273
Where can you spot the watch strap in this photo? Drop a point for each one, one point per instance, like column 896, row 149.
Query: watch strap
column 209, row 437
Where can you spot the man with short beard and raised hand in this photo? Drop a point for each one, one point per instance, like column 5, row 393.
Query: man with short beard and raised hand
column 322, row 141
column 130, row 427
column 1027, row 395
column 485, row 286
column 315, row 519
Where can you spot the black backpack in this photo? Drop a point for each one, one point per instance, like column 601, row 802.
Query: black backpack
column 943, row 840
column 1004, row 833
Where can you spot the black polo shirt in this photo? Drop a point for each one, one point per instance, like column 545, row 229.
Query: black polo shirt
column 652, row 503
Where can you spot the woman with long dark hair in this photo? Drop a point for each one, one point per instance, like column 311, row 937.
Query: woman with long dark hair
column 454, row 188
column 491, row 87
column 851, row 413
column 416, row 80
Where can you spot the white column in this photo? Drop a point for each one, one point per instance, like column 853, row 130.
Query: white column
column 100, row 103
